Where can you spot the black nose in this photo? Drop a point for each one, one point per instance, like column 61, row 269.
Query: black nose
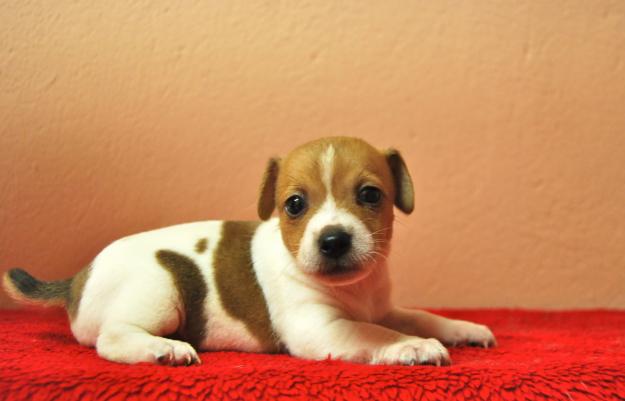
column 334, row 242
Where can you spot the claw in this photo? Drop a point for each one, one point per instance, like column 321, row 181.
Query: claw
column 163, row 359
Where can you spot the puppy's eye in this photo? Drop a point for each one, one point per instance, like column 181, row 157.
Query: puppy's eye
column 295, row 206
column 370, row 196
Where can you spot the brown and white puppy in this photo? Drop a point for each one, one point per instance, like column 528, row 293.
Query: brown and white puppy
column 312, row 282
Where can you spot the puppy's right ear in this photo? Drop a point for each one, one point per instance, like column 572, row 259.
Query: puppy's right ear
column 267, row 199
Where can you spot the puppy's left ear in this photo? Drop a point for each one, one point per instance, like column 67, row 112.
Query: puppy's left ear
column 404, row 191
column 267, row 199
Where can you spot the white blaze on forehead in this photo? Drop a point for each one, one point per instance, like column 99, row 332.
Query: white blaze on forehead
column 327, row 168
column 329, row 214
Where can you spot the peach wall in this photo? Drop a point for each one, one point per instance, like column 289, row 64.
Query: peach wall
column 116, row 117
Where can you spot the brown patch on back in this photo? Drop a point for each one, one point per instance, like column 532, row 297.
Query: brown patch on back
column 75, row 291
column 239, row 291
column 192, row 290
column 201, row 245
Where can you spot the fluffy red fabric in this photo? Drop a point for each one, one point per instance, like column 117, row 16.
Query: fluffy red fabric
column 541, row 355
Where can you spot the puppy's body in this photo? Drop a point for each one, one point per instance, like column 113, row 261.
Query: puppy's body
column 313, row 281
column 185, row 287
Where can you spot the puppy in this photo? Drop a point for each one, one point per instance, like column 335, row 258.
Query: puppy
column 312, row 282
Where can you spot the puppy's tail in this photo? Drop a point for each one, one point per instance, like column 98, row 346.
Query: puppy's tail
column 26, row 289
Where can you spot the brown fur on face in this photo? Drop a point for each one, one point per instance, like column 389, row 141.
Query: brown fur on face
column 356, row 164
column 355, row 167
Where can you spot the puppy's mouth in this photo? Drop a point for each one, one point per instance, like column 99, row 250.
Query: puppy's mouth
column 342, row 275
column 342, row 272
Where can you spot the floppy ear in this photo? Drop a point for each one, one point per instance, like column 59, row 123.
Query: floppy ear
column 267, row 199
column 404, row 191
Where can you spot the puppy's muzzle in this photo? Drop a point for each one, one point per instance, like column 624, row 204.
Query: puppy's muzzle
column 334, row 242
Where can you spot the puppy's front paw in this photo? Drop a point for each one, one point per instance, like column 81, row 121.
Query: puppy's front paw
column 466, row 333
column 173, row 352
column 414, row 351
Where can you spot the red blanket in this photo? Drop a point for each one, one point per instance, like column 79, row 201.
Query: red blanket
column 541, row 355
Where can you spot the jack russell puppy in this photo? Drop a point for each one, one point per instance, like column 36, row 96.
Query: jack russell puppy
column 312, row 282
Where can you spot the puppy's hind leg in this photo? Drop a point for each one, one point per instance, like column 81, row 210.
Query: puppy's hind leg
column 126, row 343
column 143, row 310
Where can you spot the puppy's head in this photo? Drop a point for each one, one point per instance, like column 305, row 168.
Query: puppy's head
column 335, row 200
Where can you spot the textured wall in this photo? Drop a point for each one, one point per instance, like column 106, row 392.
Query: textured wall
column 117, row 117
